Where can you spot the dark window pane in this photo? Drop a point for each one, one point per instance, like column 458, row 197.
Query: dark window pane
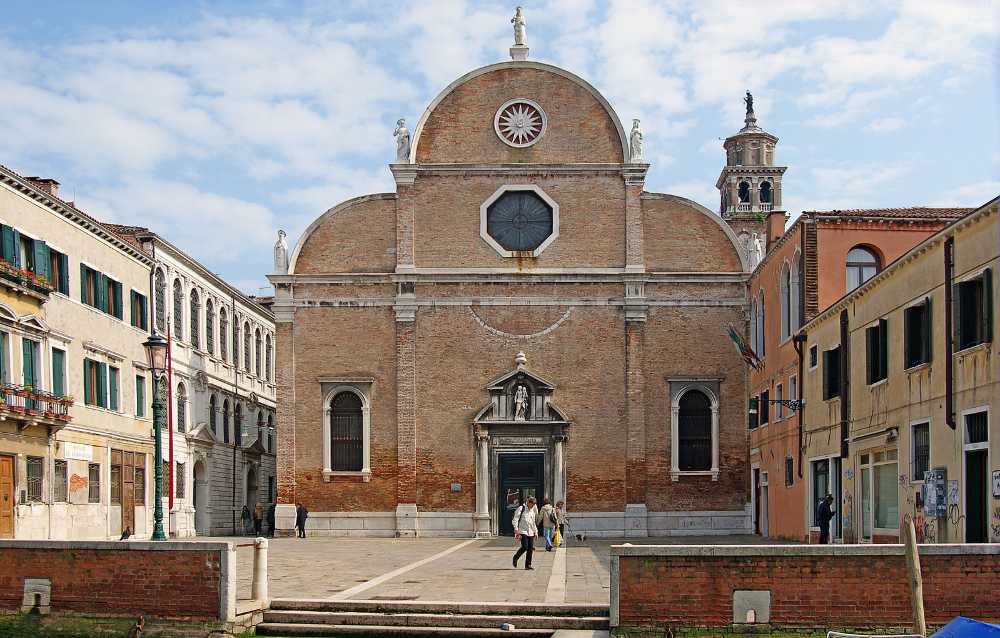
column 346, row 430
column 519, row 220
column 694, row 430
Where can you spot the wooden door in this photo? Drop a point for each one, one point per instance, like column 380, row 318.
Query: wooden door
column 128, row 491
column 6, row 497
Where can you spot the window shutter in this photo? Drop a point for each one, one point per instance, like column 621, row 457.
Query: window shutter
column 87, row 390
column 987, row 317
column 869, row 355
column 64, row 274
column 956, row 315
column 101, row 283
column 102, row 385
column 83, row 283
column 42, row 259
column 118, row 299
column 28, row 361
column 113, row 386
column 928, row 332
column 8, row 243
column 883, row 351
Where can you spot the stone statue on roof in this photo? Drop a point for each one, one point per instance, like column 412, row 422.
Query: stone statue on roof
column 749, row 100
column 518, row 22
column 281, row 254
column 755, row 251
column 402, row 135
column 635, row 143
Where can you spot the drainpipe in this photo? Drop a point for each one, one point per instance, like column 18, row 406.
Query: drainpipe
column 845, row 384
column 798, row 341
column 949, row 368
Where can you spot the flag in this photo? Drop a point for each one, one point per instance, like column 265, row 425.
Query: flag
column 745, row 351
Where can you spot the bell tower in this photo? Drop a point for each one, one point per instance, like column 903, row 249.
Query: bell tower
column 750, row 184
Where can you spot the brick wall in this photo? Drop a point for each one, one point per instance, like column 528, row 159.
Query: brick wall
column 833, row 587
column 162, row 580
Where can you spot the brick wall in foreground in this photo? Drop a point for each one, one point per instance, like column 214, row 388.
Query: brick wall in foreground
column 845, row 586
column 163, row 580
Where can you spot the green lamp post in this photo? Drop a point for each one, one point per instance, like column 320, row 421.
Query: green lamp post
column 156, row 355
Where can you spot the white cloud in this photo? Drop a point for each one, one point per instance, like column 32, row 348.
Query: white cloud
column 972, row 194
column 703, row 192
column 886, row 124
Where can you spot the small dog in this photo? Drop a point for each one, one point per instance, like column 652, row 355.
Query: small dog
column 136, row 630
column 581, row 537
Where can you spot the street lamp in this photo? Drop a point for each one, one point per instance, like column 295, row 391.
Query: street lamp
column 156, row 357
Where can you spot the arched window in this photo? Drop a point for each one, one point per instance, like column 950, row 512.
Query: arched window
column 744, row 192
column 346, row 430
column 267, row 359
column 796, row 292
column 181, row 408
column 212, row 405
column 160, row 300
column 178, row 310
column 761, row 341
column 209, row 326
column 753, row 326
column 694, row 432
column 862, row 264
column 257, row 346
column 246, row 347
column 260, row 426
column 225, row 421
column 765, row 192
column 786, row 317
column 223, row 334
column 195, row 320
column 270, row 432
column 236, row 342
column 238, row 424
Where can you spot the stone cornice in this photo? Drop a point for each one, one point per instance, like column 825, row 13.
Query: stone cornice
column 508, row 275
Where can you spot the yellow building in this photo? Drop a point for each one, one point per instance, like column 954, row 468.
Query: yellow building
column 902, row 397
column 73, row 317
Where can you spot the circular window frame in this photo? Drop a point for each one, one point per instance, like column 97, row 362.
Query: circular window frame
column 484, row 209
column 531, row 103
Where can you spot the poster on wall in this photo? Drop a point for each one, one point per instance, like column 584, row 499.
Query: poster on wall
column 996, row 483
column 954, row 496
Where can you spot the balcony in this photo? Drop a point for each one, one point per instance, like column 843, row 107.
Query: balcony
column 24, row 281
column 746, row 207
column 33, row 407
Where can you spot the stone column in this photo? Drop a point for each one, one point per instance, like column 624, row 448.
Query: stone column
column 405, row 175
column 559, row 468
column 635, row 179
column 481, row 519
column 635, row 411
column 406, row 430
column 754, row 193
column 284, row 376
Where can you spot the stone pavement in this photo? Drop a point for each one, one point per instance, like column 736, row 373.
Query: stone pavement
column 444, row 569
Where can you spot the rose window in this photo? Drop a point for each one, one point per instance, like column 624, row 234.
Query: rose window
column 520, row 123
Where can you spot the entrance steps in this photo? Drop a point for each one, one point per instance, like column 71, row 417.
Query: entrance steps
column 424, row 619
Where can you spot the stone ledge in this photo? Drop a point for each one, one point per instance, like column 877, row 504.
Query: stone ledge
column 160, row 546
column 798, row 550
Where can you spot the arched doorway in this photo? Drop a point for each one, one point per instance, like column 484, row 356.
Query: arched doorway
column 251, row 488
column 202, row 507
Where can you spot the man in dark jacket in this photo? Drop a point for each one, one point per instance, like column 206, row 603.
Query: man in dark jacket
column 270, row 520
column 301, row 514
column 824, row 514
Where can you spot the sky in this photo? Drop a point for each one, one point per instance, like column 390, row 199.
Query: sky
column 217, row 123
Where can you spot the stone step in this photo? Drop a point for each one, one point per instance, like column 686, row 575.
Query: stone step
column 440, row 607
column 296, row 629
column 435, row 620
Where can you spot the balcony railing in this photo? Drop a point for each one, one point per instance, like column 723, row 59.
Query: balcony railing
column 25, row 278
column 24, row 401
column 766, row 207
column 750, row 208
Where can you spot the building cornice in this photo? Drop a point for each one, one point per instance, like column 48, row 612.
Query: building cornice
column 510, row 275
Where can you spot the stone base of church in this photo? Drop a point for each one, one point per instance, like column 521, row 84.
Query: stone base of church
column 408, row 522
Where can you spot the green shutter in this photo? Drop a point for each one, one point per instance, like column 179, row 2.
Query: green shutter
column 140, row 395
column 58, row 372
column 87, row 390
column 8, row 244
column 83, row 283
column 143, row 313
column 988, row 304
column 42, row 259
column 28, row 362
column 117, row 285
column 17, row 261
column 883, row 329
column 113, row 389
column 928, row 336
column 102, row 385
column 3, row 357
column 63, row 274
column 101, row 281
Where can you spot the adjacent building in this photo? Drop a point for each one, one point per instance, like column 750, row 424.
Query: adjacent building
column 822, row 256
column 222, row 392
column 75, row 426
column 901, row 387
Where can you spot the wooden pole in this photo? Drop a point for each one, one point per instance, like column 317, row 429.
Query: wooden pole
column 916, row 581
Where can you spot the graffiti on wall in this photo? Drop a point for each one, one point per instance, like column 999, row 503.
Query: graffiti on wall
column 995, row 523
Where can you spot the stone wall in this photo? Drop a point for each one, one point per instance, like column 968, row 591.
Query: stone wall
column 181, row 580
column 833, row 586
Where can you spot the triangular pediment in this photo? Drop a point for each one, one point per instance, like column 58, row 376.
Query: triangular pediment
column 503, row 380
column 202, row 433
column 520, row 396
column 31, row 321
column 255, row 448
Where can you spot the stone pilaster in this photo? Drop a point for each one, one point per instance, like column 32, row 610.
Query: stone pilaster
column 406, row 430
column 635, row 410
column 405, row 175
column 481, row 519
column 635, row 179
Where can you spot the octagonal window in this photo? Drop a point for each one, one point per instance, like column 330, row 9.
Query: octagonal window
column 519, row 221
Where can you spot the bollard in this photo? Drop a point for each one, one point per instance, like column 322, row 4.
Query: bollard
column 259, row 583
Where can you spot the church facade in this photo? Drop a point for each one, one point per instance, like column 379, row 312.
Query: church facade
column 520, row 317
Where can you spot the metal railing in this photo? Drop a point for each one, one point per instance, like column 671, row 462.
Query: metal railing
column 27, row 401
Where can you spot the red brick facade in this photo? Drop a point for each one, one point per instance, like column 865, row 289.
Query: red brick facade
column 399, row 297
column 809, row 587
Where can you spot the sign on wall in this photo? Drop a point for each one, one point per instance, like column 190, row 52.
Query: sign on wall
column 78, row 451
column 996, row 483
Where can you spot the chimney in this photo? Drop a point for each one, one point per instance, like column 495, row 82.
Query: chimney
column 45, row 184
column 775, row 226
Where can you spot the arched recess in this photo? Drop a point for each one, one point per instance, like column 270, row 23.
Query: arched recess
column 202, row 498
column 251, row 483
column 328, row 471
column 795, row 288
column 785, row 300
column 541, row 66
column 678, row 391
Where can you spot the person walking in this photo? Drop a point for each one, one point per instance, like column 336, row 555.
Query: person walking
column 824, row 514
column 270, row 520
column 301, row 514
column 562, row 520
column 247, row 520
column 548, row 516
column 525, row 529
column 258, row 518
